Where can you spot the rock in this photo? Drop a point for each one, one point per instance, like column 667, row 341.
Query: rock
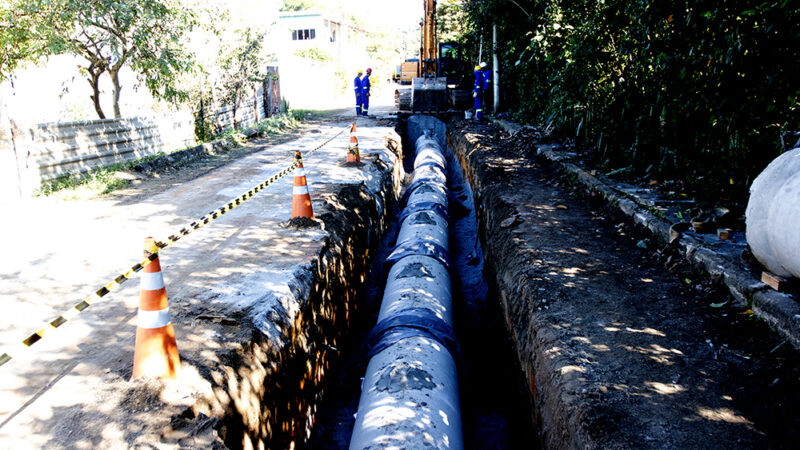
column 676, row 229
column 510, row 221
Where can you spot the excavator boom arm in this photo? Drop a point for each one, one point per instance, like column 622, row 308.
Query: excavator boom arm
column 428, row 51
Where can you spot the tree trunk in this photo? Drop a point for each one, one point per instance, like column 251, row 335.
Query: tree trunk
column 114, row 72
column 94, row 81
column 236, row 95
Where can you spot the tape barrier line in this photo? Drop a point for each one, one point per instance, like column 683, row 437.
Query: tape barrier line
column 114, row 285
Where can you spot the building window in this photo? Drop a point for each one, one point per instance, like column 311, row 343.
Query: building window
column 304, row 35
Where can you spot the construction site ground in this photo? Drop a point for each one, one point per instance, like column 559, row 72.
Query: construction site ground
column 72, row 389
column 617, row 351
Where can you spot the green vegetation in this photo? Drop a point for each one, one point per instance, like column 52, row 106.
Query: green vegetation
column 451, row 20
column 268, row 127
column 241, row 65
column 314, row 53
column 298, row 5
column 100, row 181
column 145, row 35
column 697, row 90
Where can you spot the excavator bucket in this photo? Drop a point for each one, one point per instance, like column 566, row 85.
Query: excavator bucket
column 429, row 94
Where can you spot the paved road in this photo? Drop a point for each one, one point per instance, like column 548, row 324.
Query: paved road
column 57, row 253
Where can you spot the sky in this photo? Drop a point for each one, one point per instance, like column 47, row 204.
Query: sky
column 380, row 14
column 387, row 13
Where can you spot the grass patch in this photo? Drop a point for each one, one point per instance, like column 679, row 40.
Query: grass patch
column 99, row 181
column 268, row 127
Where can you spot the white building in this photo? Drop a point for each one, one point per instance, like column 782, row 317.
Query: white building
column 318, row 56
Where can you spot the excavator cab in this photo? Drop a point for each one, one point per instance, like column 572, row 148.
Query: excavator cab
column 450, row 65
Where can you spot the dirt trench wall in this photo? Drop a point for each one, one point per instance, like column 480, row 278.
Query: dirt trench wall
column 617, row 352
column 507, row 272
column 266, row 392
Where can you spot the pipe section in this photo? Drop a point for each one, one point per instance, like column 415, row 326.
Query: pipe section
column 409, row 396
column 773, row 215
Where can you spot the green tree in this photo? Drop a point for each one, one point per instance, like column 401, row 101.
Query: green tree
column 299, row 5
column 145, row 35
column 450, row 20
column 315, row 53
column 697, row 90
column 17, row 43
column 241, row 65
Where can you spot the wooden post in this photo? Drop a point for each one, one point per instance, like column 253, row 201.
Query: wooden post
column 255, row 103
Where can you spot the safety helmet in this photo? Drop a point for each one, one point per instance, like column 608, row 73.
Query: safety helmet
column 477, row 68
column 369, row 70
column 360, row 72
column 483, row 65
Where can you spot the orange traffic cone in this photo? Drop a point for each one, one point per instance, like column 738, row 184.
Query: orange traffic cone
column 301, row 199
column 156, row 352
column 352, row 150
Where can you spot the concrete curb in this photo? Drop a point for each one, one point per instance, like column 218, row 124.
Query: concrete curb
column 780, row 310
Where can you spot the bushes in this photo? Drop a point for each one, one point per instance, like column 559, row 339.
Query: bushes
column 689, row 89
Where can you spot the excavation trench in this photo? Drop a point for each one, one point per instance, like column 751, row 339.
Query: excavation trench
column 570, row 334
column 495, row 411
column 295, row 381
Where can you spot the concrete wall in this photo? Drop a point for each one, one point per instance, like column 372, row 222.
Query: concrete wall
column 33, row 154
column 263, row 100
column 48, row 151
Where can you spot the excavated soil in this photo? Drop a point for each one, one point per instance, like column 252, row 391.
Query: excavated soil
column 618, row 351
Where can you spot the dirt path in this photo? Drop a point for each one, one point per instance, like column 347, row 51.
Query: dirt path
column 71, row 390
column 619, row 352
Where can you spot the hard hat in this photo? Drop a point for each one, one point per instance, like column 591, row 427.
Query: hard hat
column 477, row 68
column 483, row 65
column 359, row 71
column 369, row 70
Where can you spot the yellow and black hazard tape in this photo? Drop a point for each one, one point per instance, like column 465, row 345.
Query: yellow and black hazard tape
column 114, row 285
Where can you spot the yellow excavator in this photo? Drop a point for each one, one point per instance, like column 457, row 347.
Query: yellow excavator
column 439, row 64
column 428, row 89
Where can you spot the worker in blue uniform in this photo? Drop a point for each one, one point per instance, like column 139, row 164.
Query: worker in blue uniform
column 477, row 93
column 487, row 80
column 365, row 86
column 357, row 85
